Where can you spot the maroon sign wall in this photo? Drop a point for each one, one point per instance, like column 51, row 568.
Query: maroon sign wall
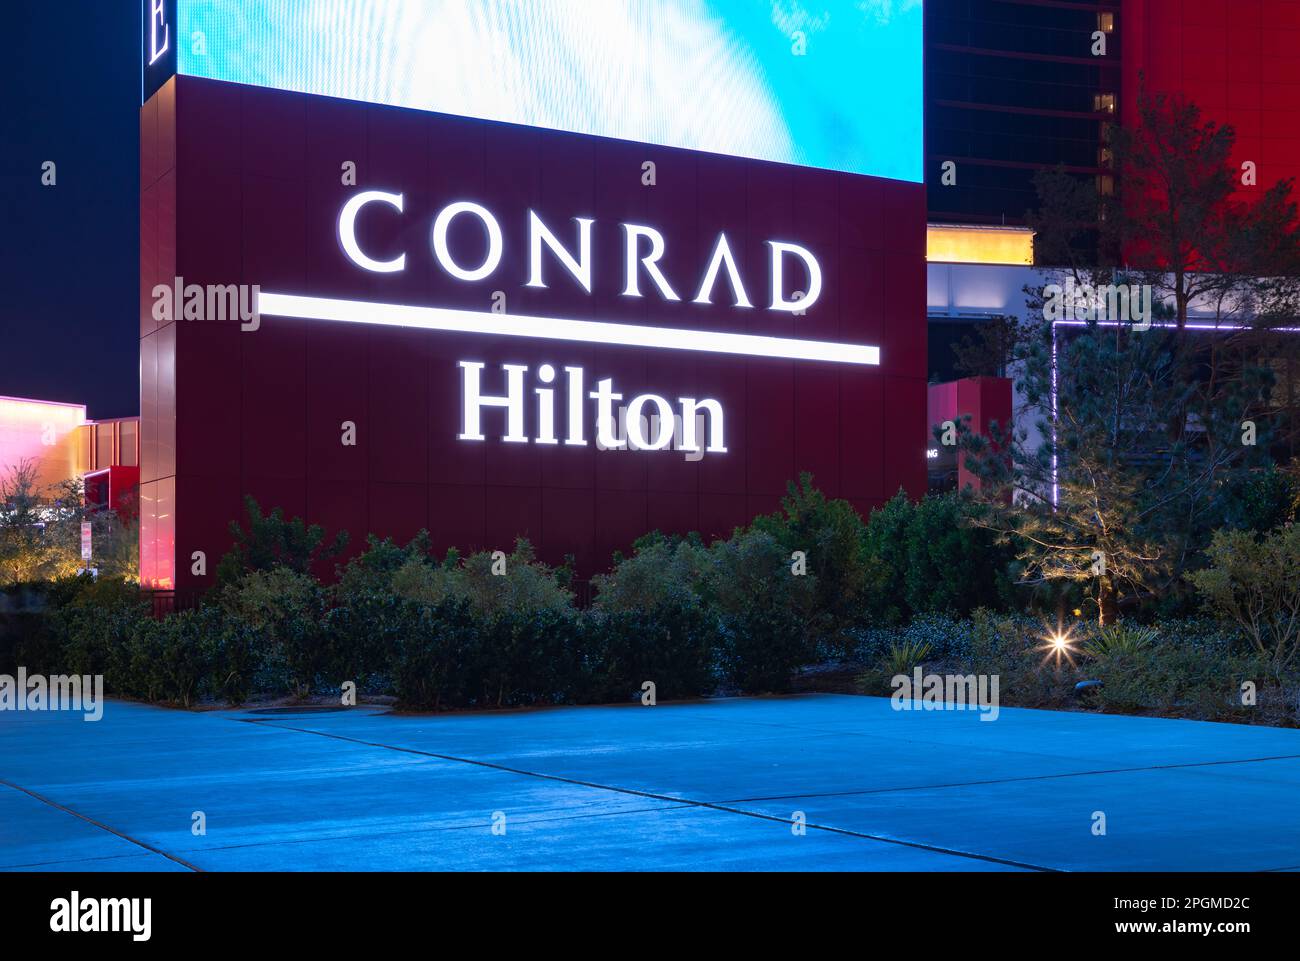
column 243, row 185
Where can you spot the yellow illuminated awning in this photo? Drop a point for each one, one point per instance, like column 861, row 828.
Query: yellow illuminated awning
column 958, row 244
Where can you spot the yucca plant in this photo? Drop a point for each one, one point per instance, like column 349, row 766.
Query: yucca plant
column 907, row 655
column 1119, row 640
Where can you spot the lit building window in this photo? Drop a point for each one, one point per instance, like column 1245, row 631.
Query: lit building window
column 128, row 447
column 103, row 446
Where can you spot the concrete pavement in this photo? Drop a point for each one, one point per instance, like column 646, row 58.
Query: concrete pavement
column 711, row 785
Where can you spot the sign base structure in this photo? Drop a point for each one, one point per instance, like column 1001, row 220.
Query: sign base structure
column 385, row 320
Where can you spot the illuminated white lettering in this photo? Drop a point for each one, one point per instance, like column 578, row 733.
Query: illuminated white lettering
column 650, row 261
column 513, row 402
column 348, row 231
column 440, row 226
column 540, row 234
column 604, row 397
column 636, row 437
column 779, row 302
column 690, row 411
column 156, row 20
column 722, row 256
column 628, row 428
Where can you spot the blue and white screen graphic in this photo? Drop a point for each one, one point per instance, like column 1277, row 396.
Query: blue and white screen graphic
column 835, row 84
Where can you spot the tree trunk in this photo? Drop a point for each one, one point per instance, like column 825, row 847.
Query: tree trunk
column 1107, row 608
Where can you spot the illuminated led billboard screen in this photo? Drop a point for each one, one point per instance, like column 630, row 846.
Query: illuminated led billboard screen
column 835, row 84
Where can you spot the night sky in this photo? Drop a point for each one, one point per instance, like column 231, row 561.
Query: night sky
column 70, row 83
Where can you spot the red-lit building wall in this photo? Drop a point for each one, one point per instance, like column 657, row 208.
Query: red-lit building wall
column 1238, row 60
column 243, row 185
column 985, row 400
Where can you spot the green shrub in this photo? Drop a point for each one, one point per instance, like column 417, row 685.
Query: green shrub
column 831, row 535
column 510, row 640
column 649, row 622
column 671, row 645
column 435, row 654
column 1254, row 582
column 271, row 542
column 995, row 637
column 763, row 611
column 368, row 613
column 1172, row 679
column 448, row 657
column 362, row 629
column 491, row 584
column 526, row 656
column 171, row 658
column 1183, row 668
column 886, row 541
column 660, row 568
column 1261, row 500
column 185, row 658
column 947, row 637
column 987, row 643
column 933, row 558
column 953, row 566
column 286, row 610
column 94, row 630
column 27, row 635
column 236, row 656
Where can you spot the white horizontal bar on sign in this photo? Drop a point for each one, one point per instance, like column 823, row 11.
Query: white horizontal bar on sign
column 553, row 328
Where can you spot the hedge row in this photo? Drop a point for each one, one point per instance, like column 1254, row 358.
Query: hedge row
column 811, row 583
column 742, row 614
